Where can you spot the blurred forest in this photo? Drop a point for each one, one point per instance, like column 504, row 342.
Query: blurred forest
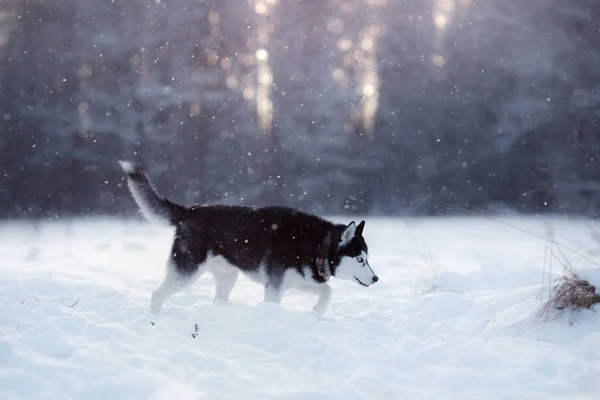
column 379, row 107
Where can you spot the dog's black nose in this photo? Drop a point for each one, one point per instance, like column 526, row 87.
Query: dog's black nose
column 375, row 278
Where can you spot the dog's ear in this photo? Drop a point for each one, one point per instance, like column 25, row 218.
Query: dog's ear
column 348, row 234
column 360, row 228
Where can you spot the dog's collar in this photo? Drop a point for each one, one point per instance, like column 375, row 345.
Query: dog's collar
column 326, row 253
column 323, row 268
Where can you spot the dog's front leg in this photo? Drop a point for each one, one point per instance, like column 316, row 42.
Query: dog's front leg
column 272, row 294
column 324, row 291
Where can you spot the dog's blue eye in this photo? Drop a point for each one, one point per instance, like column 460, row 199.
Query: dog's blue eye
column 359, row 259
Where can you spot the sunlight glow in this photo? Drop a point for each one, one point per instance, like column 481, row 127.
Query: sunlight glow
column 340, row 77
column 438, row 60
column 358, row 71
column 260, row 9
column 262, row 55
column 440, row 21
column 265, row 78
column 262, row 94
column 226, row 63
column 367, row 44
column 5, row 26
column 213, row 18
column 212, row 57
column 195, row 110
column 369, row 77
column 249, row 93
column 232, row 82
column 344, row 44
column 368, row 90
column 443, row 11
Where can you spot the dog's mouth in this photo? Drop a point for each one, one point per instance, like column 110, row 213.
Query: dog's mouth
column 358, row 280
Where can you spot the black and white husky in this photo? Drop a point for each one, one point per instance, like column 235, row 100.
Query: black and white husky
column 278, row 247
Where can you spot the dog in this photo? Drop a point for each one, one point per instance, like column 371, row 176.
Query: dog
column 278, row 247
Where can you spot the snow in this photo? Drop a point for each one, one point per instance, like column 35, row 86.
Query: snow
column 590, row 275
column 453, row 316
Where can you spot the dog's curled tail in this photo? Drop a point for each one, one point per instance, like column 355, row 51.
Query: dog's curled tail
column 154, row 207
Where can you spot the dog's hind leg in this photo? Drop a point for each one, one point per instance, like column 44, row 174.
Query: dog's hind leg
column 175, row 281
column 272, row 294
column 187, row 262
column 225, row 280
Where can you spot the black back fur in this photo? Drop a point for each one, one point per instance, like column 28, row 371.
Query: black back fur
column 247, row 237
column 279, row 237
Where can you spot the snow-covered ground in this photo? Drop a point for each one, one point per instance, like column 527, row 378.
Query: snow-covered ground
column 452, row 317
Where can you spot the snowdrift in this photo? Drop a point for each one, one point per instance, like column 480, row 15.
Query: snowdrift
column 454, row 316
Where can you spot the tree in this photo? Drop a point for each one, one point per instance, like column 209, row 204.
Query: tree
column 40, row 118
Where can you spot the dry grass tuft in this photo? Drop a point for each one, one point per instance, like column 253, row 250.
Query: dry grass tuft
column 571, row 294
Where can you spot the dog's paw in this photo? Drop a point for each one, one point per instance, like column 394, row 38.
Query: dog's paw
column 154, row 310
column 319, row 309
column 221, row 302
column 155, row 305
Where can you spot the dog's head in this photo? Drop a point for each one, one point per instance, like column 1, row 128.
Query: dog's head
column 352, row 256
